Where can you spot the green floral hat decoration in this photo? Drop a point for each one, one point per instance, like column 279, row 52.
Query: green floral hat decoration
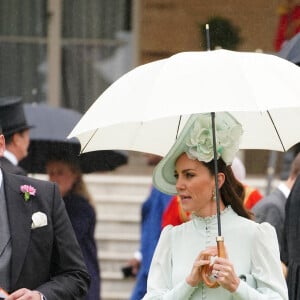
column 196, row 141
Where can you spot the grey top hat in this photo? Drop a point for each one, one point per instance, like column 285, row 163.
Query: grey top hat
column 12, row 116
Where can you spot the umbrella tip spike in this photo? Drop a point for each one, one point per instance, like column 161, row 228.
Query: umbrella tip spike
column 207, row 36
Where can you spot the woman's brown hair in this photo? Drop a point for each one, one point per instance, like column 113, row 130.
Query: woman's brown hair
column 232, row 190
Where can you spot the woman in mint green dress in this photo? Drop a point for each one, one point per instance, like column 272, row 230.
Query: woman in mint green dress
column 251, row 268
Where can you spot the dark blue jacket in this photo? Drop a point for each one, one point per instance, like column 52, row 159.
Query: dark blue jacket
column 83, row 218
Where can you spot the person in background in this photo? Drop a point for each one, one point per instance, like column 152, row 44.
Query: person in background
column 291, row 241
column 151, row 219
column 65, row 171
column 185, row 251
column 39, row 255
column 252, row 195
column 16, row 132
column 271, row 208
column 174, row 214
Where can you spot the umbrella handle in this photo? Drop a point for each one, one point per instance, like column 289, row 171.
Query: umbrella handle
column 206, row 270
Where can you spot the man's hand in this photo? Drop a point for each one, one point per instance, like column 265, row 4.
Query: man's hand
column 25, row 294
column 135, row 265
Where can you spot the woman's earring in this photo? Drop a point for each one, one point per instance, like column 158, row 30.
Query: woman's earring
column 213, row 197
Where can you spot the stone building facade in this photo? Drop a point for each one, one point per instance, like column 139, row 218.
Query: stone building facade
column 170, row 26
column 166, row 27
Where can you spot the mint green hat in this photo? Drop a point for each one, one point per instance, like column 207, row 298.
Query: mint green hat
column 196, row 141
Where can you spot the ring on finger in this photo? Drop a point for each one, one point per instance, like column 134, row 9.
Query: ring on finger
column 216, row 274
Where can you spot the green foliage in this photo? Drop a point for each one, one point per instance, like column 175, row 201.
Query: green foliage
column 222, row 33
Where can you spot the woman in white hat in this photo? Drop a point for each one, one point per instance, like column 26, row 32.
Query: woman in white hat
column 251, row 268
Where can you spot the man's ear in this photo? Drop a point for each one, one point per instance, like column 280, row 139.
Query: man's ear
column 2, row 145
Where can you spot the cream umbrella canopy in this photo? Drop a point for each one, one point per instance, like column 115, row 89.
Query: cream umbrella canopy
column 147, row 108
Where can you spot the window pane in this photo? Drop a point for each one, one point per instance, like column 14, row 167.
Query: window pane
column 95, row 45
column 22, row 48
column 96, row 48
column 23, row 18
column 22, row 71
column 94, row 18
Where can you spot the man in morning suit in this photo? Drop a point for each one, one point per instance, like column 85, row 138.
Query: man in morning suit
column 271, row 209
column 39, row 255
column 16, row 132
column 291, row 243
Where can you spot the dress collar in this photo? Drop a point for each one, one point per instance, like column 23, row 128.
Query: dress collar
column 211, row 220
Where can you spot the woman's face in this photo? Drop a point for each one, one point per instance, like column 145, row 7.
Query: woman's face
column 61, row 173
column 195, row 186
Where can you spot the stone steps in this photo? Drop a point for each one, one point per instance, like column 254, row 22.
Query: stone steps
column 118, row 200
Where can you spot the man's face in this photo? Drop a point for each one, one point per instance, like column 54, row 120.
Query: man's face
column 19, row 144
column 24, row 144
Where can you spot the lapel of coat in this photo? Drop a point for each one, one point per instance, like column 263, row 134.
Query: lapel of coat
column 19, row 215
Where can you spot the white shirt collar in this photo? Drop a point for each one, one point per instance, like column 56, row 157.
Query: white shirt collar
column 284, row 189
column 1, row 177
column 11, row 157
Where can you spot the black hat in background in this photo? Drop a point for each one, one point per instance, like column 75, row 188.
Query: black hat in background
column 12, row 116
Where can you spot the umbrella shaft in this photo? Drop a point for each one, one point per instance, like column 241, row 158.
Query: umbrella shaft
column 216, row 172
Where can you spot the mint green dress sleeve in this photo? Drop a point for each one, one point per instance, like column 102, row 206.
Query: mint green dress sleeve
column 159, row 284
column 265, row 268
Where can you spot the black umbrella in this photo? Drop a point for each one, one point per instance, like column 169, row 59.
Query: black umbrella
column 48, row 139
